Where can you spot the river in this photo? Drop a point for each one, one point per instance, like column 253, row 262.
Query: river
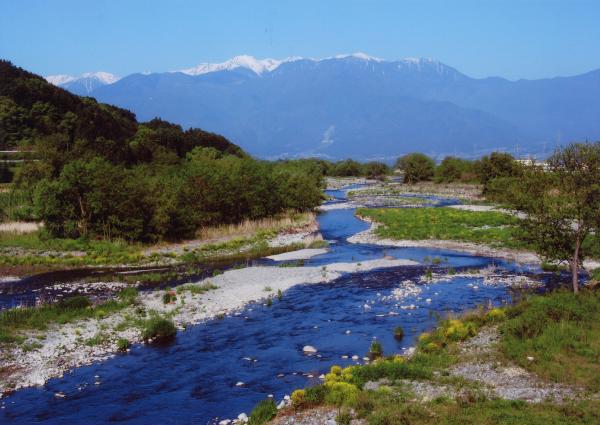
column 197, row 378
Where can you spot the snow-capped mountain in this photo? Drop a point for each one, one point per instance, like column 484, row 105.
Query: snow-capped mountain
column 258, row 66
column 361, row 106
column 83, row 84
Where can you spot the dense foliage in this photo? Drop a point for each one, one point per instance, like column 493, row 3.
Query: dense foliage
column 561, row 202
column 103, row 174
column 416, row 167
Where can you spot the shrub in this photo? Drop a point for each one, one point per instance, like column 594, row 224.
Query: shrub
column 496, row 315
column 341, row 393
column 75, row 303
column 315, row 395
column 263, row 412
column 398, row 333
column 298, row 398
column 376, row 349
column 123, row 344
column 169, row 297
column 344, row 417
column 158, row 327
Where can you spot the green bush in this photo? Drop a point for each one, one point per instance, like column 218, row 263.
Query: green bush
column 398, row 333
column 263, row 412
column 376, row 349
column 158, row 328
column 123, row 344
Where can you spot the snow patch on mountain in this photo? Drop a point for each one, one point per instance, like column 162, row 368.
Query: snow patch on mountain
column 100, row 76
column 258, row 66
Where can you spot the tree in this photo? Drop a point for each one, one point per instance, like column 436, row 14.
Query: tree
column 375, row 170
column 416, row 167
column 497, row 165
column 452, row 169
column 562, row 204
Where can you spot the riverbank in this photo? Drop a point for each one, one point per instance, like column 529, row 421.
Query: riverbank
column 32, row 253
column 45, row 353
column 520, row 364
column 491, row 227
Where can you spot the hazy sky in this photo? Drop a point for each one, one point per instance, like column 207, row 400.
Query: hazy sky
column 509, row 38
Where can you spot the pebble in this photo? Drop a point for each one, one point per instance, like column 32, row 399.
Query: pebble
column 225, row 422
column 355, row 357
column 243, row 417
column 348, row 332
column 239, row 384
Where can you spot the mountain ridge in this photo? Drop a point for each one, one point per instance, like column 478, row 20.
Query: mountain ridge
column 287, row 107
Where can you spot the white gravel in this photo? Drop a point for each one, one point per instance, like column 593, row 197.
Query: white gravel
column 64, row 347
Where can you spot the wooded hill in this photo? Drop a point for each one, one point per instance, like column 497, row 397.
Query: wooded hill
column 103, row 174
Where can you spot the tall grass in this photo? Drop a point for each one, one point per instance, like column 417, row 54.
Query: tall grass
column 251, row 227
column 14, row 320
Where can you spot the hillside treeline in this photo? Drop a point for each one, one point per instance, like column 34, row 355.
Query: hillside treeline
column 101, row 174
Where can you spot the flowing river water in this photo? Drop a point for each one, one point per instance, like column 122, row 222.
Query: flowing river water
column 195, row 379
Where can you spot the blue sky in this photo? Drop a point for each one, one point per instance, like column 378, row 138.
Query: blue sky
column 509, row 38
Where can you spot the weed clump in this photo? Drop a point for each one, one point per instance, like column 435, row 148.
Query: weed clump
column 398, row 333
column 158, row 328
column 263, row 412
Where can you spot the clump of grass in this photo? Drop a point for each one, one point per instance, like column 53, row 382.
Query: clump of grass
column 263, row 412
column 376, row 349
column 279, row 295
column 158, row 328
column 267, row 289
column 398, row 333
column 169, row 296
column 123, row 344
column 196, row 289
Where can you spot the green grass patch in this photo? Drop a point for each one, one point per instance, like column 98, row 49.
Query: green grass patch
column 487, row 227
column 15, row 320
column 561, row 331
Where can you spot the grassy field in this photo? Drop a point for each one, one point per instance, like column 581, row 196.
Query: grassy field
column 559, row 330
column 491, row 228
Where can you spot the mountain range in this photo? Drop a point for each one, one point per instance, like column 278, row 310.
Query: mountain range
column 358, row 106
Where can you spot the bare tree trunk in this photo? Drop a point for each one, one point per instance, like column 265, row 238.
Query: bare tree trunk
column 575, row 267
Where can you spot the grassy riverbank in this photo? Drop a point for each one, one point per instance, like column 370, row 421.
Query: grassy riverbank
column 494, row 229
column 35, row 251
column 557, row 349
column 486, row 227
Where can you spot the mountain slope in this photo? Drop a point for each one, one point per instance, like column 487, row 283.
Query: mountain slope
column 356, row 105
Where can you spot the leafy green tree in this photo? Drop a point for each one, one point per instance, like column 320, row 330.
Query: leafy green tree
column 496, row 165
column 453, row 169
column 562, row 203
column 416, row 167
column 375, row 170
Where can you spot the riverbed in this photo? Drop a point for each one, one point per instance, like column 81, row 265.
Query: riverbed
column 223, row 367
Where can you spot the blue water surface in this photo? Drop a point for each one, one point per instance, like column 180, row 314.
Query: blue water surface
column 193, row 379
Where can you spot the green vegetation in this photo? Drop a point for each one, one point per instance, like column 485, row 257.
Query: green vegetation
column 196, row 289
column 551, row 328
column 103, row 175
column 488, row 227
column 561, row 202
column 263, row 412
column 562, row 333
column 416, row 167
column 123, row 344
column 398, row 333
column 15, row 320
column 158, row 327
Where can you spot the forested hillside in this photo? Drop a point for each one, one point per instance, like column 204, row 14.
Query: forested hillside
column 100, row 173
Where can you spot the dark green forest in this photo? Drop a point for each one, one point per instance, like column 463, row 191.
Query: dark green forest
column 98, row 173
